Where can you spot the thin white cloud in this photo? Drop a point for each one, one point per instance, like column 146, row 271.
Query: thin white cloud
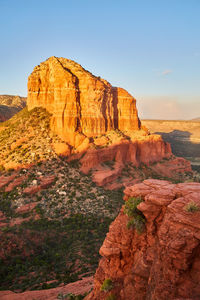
column 166, row 72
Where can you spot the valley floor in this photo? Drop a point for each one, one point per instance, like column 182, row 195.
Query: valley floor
column 184, row 137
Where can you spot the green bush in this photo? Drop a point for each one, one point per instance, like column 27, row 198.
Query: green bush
column 136, row 217
column 107, row 285
column 191, row 207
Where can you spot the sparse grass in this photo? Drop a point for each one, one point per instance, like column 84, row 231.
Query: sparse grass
column 192, row 207
column 107, row 285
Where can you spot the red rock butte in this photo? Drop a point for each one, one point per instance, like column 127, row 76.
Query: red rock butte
column 80, row 103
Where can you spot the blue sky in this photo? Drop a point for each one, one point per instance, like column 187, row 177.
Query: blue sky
column 149, row 47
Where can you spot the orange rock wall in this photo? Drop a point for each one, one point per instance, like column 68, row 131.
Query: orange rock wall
column 164, row 261
column 147, row 149
column 79, row 101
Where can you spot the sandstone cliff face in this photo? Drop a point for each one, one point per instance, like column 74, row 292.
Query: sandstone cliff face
column 79, row 101
column 146, row 149
column 164, row 261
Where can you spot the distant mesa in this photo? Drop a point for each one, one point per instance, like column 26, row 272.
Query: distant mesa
column 10, row 105
column 81, row 103
column 196, row 119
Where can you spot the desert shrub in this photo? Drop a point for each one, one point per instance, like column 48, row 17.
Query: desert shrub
column 2, row 168
column 110, row 163
column 74, row 163
column 6, row 202
column 191, row 207
column 77, row 237
column 39, row 210
column 107, row 285
column 136, row 217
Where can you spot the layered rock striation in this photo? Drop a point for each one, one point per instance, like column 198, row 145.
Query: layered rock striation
column 80, row 102
column 164, row 261
column 143, row 149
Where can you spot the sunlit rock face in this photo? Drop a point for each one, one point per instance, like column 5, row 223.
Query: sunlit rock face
column 80, row 103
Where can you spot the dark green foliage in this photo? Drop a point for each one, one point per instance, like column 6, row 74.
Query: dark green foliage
column 61, row 249
column 74, row 163
column 6, row 199
column 136, row 217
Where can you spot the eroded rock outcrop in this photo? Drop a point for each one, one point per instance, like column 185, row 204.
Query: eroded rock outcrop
column 164, row 261
column 82, row 104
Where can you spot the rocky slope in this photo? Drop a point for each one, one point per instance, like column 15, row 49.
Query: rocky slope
column 161, row 261
column 10, row 105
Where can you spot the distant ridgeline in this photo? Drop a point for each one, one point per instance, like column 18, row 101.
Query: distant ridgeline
column 184, row 137
column 10, row 105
